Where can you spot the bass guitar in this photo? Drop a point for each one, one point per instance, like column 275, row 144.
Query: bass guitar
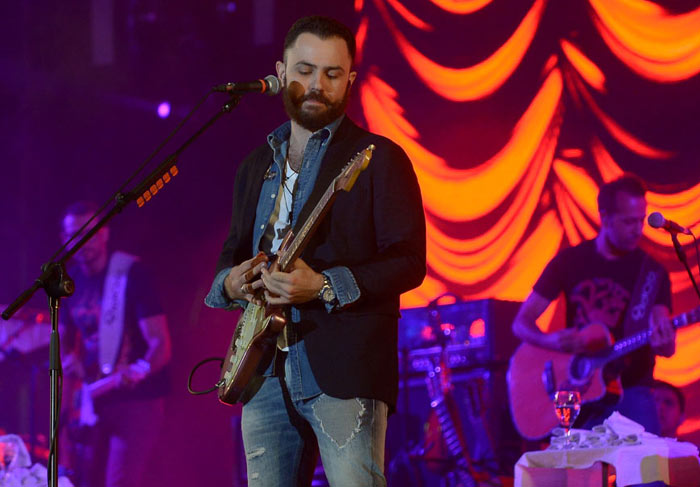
column 255, row 337
column 535, row 374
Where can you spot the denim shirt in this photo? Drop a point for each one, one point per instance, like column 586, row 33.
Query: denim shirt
column 299, row 378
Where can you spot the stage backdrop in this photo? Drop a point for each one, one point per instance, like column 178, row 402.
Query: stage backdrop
column 512, row 111
column 515, row 112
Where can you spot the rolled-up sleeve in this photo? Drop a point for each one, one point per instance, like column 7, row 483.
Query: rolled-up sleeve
column 217, row 297
column 344, row 285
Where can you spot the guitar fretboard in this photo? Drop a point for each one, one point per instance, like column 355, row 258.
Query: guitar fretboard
column 640, row 339
column 299, row 241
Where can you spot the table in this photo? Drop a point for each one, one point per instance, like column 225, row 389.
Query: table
column 654, row 459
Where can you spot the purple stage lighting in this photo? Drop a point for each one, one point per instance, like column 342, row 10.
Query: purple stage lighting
column 164, row 109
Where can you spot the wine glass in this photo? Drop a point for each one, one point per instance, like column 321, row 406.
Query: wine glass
column 567, row 405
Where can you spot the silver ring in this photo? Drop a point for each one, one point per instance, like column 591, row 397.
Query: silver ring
column 243, row 289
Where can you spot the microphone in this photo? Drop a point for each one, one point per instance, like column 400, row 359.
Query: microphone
column 657, row 220
column 270, row 86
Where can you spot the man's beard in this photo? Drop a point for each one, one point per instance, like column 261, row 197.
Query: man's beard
column 313, row 121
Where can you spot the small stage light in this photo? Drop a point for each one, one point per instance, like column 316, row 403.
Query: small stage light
column 164, row 109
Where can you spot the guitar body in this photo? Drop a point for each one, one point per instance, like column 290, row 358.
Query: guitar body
column 535, row 374
column 250, row 351
column 530, row 400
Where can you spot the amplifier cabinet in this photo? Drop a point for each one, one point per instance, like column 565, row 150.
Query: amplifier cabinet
column 479, row 346
column 478, row 332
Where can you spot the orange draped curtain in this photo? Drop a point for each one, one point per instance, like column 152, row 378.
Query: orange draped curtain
column 537, row 192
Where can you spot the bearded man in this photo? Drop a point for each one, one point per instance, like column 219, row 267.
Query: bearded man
column 334, row 375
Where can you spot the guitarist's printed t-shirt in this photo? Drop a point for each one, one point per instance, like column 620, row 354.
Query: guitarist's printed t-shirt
column 81, row 314
column 598, row 289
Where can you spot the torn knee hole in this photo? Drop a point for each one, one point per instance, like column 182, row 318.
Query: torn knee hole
column 342, row 422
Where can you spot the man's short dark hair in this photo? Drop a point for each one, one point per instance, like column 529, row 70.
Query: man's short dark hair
column 629, row 184
column 659, row 384
column 323, row 28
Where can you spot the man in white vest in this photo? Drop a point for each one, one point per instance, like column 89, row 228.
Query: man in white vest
column 116, row 346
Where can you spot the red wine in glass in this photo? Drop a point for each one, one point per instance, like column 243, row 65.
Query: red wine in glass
column 567, row 405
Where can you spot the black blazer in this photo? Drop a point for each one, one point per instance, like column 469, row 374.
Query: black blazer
column 377, row 230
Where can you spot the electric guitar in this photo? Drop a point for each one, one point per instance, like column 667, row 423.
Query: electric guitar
column 535, row 374
column 79, row 412
column 255, row 338
column 445, row 410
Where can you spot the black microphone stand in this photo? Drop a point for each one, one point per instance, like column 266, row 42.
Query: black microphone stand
column 684, row 259
column 57, row 284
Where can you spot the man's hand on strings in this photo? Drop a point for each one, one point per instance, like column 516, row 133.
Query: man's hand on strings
column 663, row 335
column 299, row 285
column 243, row 281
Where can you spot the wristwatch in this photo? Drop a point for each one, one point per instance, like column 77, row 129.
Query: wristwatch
column 326, row 293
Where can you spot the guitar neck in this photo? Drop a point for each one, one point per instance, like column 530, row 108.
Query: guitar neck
column 344, row 181
column 638, row 340
column 104, row 385
column 298, row 243
column 456, row 444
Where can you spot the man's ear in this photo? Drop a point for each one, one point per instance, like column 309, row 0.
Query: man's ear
column 281, row 71
column 352, row 76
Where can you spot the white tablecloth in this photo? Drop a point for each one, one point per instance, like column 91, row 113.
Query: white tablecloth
column 651, row 459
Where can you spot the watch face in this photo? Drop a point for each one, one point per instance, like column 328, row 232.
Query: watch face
column 328, row 295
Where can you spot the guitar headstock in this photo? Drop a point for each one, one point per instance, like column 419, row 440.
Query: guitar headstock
column 346, row 179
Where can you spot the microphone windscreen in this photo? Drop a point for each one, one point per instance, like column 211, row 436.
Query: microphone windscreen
column 656, row 220
column 275, row 85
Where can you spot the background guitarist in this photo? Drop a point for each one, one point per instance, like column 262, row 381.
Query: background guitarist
column 126, row 350
column 598, row 279
column 335, row 374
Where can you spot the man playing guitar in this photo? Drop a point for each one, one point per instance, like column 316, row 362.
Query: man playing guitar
column 334, row 374
column 116, row 351
column 599, row 279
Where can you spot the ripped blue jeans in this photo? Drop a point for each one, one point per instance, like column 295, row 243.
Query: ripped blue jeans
column 282, row 438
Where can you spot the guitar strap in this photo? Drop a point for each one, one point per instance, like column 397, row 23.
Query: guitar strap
column 111, row 326
column 643, row 297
